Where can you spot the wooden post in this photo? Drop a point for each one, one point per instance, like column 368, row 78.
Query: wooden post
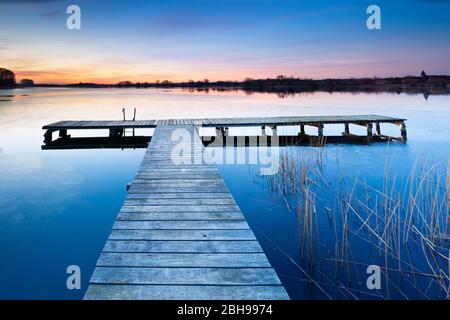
column 274, row 130
column 369, row 132
column 378, row 129
column 346, row 128
column 302, row 129
column 63, row 133
column 369, row 129
column 134, row 119
column 320, row 129
column 48, row 136
column 115, row 133
column 403, row 130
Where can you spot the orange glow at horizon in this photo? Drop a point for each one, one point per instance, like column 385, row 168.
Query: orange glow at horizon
column 107, row 76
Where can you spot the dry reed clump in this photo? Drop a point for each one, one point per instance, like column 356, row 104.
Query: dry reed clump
column 405, row 223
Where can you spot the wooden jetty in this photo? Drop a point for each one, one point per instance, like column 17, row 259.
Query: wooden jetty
column 180, row 233
column 117, row 128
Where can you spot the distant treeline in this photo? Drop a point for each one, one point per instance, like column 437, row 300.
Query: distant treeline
column 424, row 84
column 282, row 85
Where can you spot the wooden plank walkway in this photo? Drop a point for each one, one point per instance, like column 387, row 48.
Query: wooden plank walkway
column 180, row 234
column 224, row 122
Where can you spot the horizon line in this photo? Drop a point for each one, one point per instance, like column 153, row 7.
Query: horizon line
column 207, row 81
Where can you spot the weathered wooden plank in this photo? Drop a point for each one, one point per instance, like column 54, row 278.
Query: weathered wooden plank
column 168, row 202
column 176, row 170
column 159, row 174
column 181, row 235
column 178, row 176
column 180, row 215
column 172, row 292
column 189, row 260
column 179, row 183
column 175, row 183
column 185, row 208
column 146, row 189
column 177, row 167
column 183, row 246
column 176, row 160
column 186, row 276
column 194, row 182
column 186, row 225
column 180, row 195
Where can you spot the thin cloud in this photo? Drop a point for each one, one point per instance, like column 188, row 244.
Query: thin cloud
column 51, row 14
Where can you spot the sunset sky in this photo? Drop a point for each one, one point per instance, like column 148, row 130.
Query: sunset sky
column 221, row 40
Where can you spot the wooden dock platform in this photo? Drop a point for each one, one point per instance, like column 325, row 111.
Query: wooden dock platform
column 117, row 128
column 222, row 122
column 181, row 235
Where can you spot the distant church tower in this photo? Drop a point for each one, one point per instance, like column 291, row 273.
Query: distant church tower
column 424, row 75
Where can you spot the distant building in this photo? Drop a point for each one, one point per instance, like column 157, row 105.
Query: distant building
column 7, row 78
column 424, row 75
column 26, row 83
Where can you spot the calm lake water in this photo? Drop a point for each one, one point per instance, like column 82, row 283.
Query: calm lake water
column 57, row 207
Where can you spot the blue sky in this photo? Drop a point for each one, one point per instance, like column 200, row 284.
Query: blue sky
column 222, row 40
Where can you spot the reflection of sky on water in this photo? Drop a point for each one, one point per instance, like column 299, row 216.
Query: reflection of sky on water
column 277, row 226
column 57, row 207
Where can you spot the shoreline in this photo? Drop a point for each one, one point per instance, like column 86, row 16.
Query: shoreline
column 282, row 91
column 435, row 84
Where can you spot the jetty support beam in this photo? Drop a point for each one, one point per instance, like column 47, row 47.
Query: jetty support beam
column 320, row 129
column 63, row 133
column 378, row 128
column 403, row 130
column 302, row 129
column 115, row 133
column 346, row 129
column 222, row 131
column 369, row 130
column 274, row 130
column 48, row 136
column 263, row 131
